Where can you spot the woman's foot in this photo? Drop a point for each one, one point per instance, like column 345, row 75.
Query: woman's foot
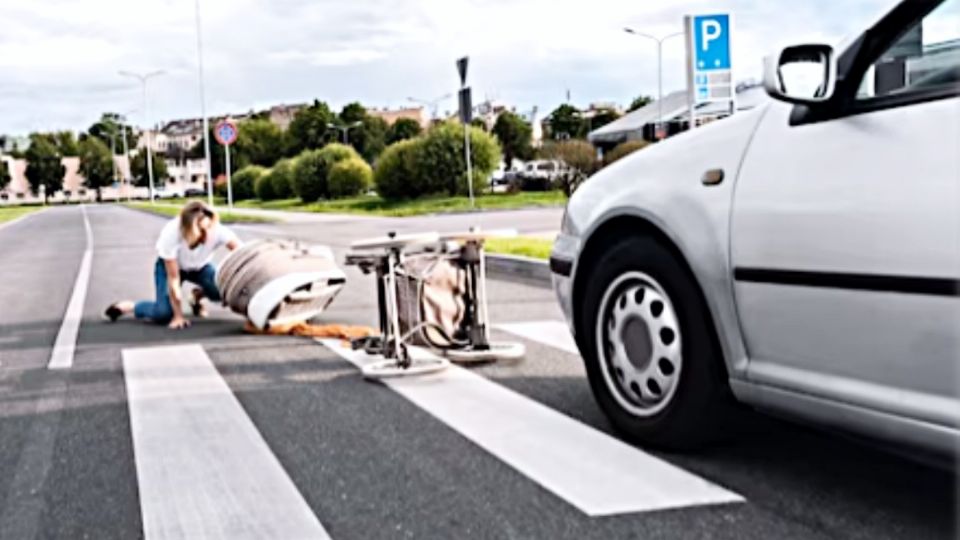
column 117, row 310
column 197, row 304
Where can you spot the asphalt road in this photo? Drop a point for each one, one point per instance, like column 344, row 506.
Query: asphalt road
column 369, row 461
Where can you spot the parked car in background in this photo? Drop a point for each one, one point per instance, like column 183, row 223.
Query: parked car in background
column 539, row 175
column 801, row 257
column 194, row 192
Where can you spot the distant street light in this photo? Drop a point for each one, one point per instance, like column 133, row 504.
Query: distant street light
column 344, row 129
column 432, row 104
column 143, row 78
column 659, row 71
column 203, row 108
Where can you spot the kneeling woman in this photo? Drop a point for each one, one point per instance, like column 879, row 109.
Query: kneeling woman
column 184, row 250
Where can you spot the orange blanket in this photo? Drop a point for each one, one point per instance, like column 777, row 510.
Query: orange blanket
column 313, row 330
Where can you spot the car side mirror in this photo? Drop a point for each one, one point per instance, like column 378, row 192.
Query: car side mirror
column 801, row 74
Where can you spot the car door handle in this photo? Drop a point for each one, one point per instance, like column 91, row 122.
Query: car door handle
column 712, row 177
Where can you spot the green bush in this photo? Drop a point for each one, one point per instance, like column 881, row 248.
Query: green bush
column 349, row 178
column 439, row 160
column 395, row 175
column 244, row 182
column 623, row 150
column 312, row 168
column 281, row 179
column 264, row 188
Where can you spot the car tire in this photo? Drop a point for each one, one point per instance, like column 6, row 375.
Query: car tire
column 650, row 349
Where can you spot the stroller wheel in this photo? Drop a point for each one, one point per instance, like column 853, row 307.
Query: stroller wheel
column 497, row 351
column 388, row 369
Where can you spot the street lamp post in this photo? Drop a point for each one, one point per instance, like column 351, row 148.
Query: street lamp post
column 344, row 129
column 659, row 42
column 143, row 78
column 203, row 108
column 126, row 151
column 433, row 104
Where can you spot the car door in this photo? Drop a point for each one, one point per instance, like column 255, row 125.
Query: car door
column 846, row 228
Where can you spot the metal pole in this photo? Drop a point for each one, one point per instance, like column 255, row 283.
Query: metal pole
column 203, row 109
column 656, row 134
column 126, row 157
column 466, row 138
column 146, row 117
column 226, row 150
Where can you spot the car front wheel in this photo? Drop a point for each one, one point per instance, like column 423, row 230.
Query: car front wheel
column 648, row 344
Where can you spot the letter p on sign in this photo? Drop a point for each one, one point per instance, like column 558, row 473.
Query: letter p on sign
column 710, row 30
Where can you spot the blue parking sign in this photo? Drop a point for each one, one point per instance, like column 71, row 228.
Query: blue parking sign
column 711, row 42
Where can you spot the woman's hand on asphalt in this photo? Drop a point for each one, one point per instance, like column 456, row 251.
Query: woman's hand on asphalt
column 178, row 323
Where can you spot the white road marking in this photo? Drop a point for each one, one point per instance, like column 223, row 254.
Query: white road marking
column 553, row 333
column 204, row 470
column 66, row 343
column 596, row 473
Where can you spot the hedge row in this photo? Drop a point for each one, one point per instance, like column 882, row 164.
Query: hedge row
column 435, row 163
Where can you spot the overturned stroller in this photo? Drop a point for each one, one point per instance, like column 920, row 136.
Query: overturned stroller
column 273, row 282
column 431, row 293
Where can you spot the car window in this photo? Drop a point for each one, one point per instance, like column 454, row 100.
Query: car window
column 926, row 57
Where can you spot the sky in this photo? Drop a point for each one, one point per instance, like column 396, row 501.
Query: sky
column 59, row 59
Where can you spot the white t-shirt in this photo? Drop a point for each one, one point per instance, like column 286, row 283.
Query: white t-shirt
column 171, row 245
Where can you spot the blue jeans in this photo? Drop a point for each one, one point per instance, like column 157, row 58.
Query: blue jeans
column 160, row 310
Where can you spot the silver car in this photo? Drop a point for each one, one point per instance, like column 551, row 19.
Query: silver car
column 802, row 257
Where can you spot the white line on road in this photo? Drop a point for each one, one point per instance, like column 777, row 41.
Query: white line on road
column 204, row 470
column 593, row 471
column 63, row 348
column 553, row 333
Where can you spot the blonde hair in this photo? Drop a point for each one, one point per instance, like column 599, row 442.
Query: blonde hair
column 190, row 215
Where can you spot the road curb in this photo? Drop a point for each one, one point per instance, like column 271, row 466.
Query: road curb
column 528, row 269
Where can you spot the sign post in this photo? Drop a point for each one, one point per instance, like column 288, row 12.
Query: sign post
column 226, row 134
column 466, row 116
column 709, row 73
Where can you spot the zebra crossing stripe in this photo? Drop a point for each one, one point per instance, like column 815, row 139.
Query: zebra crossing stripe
column 594, row 472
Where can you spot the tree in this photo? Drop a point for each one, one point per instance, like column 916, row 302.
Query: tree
column 44, row 166
column 96, row 165
column 440, row 163
column 395, row 175
column 353, row 112
column 639, row 102
column 110, row 128
column 623, row 150
column 141, row 176
column 369, row 138
column 281, row 179
column 349, row 178
column 515, row 136
column 602, row 118
column 67, row 143
column 309, row 128
column 259, row 142
column 243, row 183
column 566, row 122
column 310, row 174
column 4, row 175
column 403, row 129
column 579, row 159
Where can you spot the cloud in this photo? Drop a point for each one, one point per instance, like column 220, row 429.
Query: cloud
column 59, row 58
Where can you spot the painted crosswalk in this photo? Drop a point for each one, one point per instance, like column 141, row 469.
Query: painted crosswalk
column 552, row 333
column 594, row 472
column 204, row 471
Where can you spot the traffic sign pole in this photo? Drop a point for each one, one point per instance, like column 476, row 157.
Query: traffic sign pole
column 465, row 116
column 229, row 182
column 226, row 134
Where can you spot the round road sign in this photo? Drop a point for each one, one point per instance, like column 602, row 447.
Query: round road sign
column 225, row 132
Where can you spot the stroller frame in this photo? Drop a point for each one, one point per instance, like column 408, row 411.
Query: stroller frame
column 398, row 360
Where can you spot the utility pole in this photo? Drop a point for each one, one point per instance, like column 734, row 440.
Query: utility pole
column 203, row 108
column 143, row 78
column 659, row 42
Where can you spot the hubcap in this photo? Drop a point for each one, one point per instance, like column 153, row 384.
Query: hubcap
column 638, row 341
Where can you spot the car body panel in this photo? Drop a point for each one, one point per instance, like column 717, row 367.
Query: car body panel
column 662, row 185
